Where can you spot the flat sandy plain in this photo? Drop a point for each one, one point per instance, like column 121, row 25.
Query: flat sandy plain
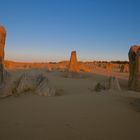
column 77, row 113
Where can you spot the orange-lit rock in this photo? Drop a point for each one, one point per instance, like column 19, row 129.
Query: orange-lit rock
column 62, row 66
column 49, row 68
column 109, row 67
column 124, row 68
column 2, row 44
column 134, row 68
column 73, row 64
column 111, row 83
column 83, row 67
column 8, row 65
column 35, row 81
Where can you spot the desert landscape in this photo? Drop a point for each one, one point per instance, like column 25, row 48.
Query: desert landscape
column 69, row 99
column 90, row 100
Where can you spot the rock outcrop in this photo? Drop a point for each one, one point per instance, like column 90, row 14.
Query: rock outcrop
column 73, row 64
column 36, row 83
column 111, row 83
column 2, row 44
column 8, row 86
column 31, row 81
column 109, row 67
column 137, row 79
column 134, row 68
column 124, row 68
column 44, row 88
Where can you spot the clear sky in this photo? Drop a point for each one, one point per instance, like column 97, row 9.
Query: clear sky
column 48, row 30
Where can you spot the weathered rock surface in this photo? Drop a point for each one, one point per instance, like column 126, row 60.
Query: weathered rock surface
column 134, row 68
column 124, row 68
column 37, row 83
column 137, row 78
column 6, row 88
column 44, row 88
column 111, row 83
column 33, row 81
column 73, row 64
column 27, row 82
column 2, row 44
column 109, row 67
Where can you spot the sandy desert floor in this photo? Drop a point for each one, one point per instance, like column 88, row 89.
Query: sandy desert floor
column 77, row 114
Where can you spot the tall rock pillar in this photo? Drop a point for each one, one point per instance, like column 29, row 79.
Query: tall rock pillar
column 2, row 44
column 73, row 64
column 134, row 68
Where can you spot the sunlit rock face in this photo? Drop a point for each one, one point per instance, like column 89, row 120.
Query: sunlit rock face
column 109, row 67
column 134, row 68
column 73, row 64
column 124, row 68
column 35, row 81
column 2, row 44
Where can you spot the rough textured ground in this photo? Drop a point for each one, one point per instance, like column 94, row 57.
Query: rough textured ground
column 78, row 114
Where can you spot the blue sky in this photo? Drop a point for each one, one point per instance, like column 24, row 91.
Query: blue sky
column 48, row 30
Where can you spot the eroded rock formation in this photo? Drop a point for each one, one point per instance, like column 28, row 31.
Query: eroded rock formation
column 73, row 64
column 124, row 68
column 134, row 68
column 111, row 83
column 109, row 67
column 30, row 81
column 35, row 82
column 2, row 44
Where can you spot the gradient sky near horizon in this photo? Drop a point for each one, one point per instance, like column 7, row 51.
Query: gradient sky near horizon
column 48, row 30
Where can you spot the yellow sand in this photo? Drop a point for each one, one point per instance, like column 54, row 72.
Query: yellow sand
column 78, row 114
